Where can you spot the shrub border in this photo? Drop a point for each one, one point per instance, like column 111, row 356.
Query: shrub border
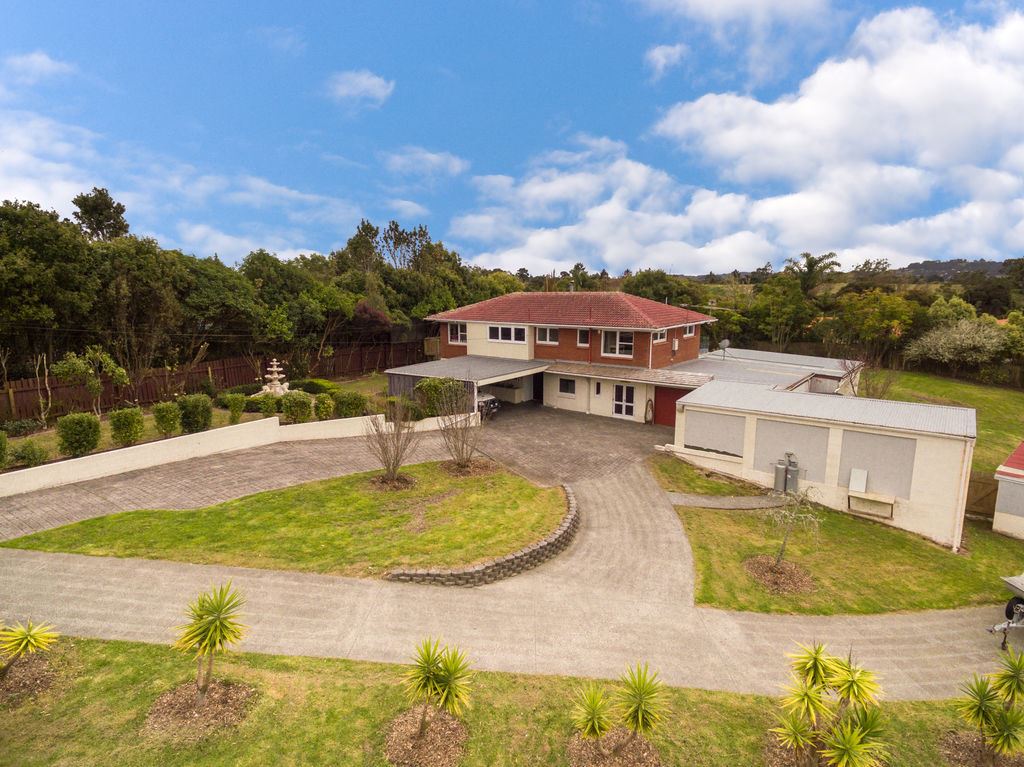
column 504, row 567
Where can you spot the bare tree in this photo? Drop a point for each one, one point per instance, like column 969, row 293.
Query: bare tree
column 797, row 512
column 459, row 425
column 43, row 388
column 391, row 441
column 872, row 381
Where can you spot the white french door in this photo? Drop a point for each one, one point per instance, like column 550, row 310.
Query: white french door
column 622, row 403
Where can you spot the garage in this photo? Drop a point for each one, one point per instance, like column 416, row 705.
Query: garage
column 665, row 398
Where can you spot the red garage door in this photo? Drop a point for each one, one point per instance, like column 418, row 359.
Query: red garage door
column 665, row 404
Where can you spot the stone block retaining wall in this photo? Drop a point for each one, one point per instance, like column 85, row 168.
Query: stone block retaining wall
column 504, row 567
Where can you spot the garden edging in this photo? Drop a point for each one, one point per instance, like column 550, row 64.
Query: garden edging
column 504, row 567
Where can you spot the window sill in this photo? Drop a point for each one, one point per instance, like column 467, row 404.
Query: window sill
column 546, row 343
column 456, row 343
column 618, row 356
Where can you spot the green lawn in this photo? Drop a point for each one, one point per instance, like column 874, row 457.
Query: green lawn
column 48, row 437
column 370, row 384
column 859, row 566
column 345, row 526
column 1000, row 411
column 335, row 712
column 675, row 475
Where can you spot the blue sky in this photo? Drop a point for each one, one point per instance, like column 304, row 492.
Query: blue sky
column 685, row 134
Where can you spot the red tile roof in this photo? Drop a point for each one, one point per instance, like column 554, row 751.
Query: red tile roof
column 583, row 309
column 1014, row 465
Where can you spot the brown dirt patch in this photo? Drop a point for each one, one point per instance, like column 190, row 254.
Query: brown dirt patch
column 401, row 482
column 176, row 716
column 30, row 677
column 777, row 755
column 787, row 578
column 441, row 746
column 964, row 749
column 478, row 467
column 584, row 752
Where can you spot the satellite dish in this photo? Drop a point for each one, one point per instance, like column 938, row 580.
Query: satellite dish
column 723, row 344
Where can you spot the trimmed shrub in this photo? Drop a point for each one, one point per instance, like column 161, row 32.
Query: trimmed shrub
column 247, row 389
column 3, row 449
column 168, row 418
column 78, row 434
column 126, row 426
column 29, row 453
column 313, row 386
column 196, row 413
column 267, row 404
column 413, row 409
column 20, row 428
column 430, row 392
column 236, row 405
column 349, row 404
column 323, row 406
column 297, row 407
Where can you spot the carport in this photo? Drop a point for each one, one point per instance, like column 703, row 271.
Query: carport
column 508, row 380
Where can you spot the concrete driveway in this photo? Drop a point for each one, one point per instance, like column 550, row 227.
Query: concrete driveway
column 622, row 592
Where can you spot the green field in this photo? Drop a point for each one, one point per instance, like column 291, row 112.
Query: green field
column 335, row 712
column 1000, row 411
column 917, row 575
column 346, row 526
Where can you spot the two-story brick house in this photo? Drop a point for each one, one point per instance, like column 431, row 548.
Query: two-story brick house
column 603, row 353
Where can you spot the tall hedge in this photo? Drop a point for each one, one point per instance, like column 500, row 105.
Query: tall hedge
column 167, row 416
column 126, row 426
column 196, row 413
column 78, row 434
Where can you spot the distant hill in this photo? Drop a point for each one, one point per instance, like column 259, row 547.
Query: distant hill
column 950, row 270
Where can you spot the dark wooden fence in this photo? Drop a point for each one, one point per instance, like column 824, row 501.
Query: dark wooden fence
column 21, row 398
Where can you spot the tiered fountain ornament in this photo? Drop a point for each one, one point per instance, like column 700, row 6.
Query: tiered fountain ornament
column 275, row 380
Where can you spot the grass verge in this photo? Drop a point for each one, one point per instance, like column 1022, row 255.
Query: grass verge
column 335, row 712
column 676, row 475
column 346, row 526
column 858, row 566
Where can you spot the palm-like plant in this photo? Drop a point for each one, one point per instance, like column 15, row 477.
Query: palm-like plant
column 19, row 640
column 796, row 733
column 213, row 626
column 847, row 745
column 1004, row 735
column 995, row 705
column 592, row 712
column 1008, row 679
column 812, row 663
column 641, row 702
column 854, row 684
column 440, row 678
column 980, row 703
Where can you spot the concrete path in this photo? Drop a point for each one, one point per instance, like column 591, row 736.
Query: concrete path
column 739, row 502
column 622, row 592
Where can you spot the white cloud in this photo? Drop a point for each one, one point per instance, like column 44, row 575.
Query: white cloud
column 725, row 11
column 359, row 89
column 661, row 58
column 204, row 240
column 408, row 209
column 31, row 68
column 285, row 40
column 417, row 161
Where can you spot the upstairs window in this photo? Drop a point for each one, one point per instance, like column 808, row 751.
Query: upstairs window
column 689, row 331
column 547, row 335
column 583, row 338
column 617, row 343
column 507, row 334
column 659, row 335
column 457, row 332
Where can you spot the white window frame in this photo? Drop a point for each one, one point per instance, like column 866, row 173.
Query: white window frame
column 689, row 331
column 511, row 332
column 659, row 336
column 546, row 339
column 569, row 395
column 619, row 344
column 579, row 333
column 461, row 333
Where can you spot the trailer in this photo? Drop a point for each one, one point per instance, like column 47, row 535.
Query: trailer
column 1014, row 610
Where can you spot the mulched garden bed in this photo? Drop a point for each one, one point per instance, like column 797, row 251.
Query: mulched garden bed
column 442, row 745
column 478, row 467
column 964, row 749
column 175, row 714
column 777, row 755
column 787, row 578
column 28, row 678
column 401, row 482
column 585, row 752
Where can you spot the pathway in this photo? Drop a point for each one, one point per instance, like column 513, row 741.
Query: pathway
column 622, row 592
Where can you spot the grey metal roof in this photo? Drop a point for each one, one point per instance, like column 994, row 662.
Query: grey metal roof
column 471, row 367
column 907, row 416
column 659, row 376
column 771, row 368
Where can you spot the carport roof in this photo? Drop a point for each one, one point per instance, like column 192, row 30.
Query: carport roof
column 471, row 367
column 657, row 376
column 903, row 416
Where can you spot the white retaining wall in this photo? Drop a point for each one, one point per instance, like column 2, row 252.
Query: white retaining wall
column 265, row 431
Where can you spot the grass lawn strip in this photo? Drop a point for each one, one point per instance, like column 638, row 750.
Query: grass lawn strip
column 368, row 385
column 678, row 476
column 917, row 575
column 345, row 526
column 326, row 711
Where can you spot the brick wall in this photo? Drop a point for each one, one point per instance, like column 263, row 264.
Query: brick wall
column 449, row 349
column 689, row 348
column 566, row 349
column 506, row 566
